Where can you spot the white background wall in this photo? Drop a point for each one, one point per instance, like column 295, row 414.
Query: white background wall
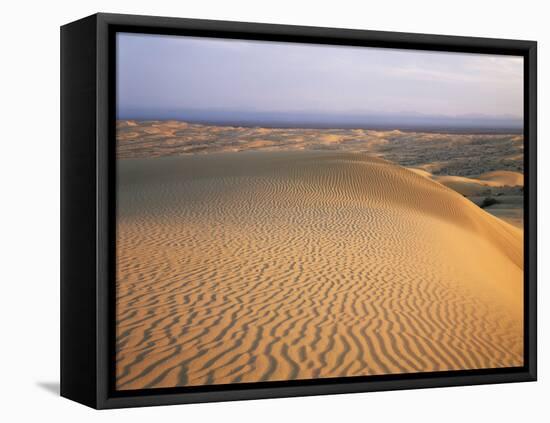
column 29, row 166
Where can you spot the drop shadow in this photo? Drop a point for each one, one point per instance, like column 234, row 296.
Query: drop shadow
column 51, row 387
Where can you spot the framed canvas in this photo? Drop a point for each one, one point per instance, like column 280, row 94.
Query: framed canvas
column 257, row 211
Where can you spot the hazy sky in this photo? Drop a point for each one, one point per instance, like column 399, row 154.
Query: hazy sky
column 158, row 73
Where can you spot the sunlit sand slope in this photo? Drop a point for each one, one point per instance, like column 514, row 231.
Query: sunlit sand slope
column 246, row 267
column 476, row 186
column 503, row 178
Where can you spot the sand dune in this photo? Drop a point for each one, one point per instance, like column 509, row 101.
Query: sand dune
column 263, row 266
column 503, row 178
column 444, row 153
column 475, row 186
column 504, row 187
column 462, row 185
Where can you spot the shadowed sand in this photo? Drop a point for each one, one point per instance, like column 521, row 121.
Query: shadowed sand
column 265, row 266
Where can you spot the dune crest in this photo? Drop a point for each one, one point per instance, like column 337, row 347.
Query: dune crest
column 263, row 266
column 503, row 178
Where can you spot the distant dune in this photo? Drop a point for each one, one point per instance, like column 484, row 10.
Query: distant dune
column 265, row 266
column 476, row 186
column 498, row 192
column 503, row 178
column 446, row 153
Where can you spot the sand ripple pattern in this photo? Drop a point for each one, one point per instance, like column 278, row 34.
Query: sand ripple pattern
column 268, row 266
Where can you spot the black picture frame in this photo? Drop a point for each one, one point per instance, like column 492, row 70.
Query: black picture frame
column 88, row 212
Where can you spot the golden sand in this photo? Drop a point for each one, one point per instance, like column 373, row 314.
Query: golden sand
column 267, row 266
column 476, row 186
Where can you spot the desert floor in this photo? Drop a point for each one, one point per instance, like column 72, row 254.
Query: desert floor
column 275, row 265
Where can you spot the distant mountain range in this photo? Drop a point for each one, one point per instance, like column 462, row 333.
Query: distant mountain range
column 403, row 121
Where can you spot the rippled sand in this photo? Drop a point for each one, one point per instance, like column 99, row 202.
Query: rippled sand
column 265, row 266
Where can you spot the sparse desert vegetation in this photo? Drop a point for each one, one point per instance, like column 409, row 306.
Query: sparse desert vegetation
column 488, row 201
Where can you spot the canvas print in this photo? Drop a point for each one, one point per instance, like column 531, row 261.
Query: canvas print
column 292, row 211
